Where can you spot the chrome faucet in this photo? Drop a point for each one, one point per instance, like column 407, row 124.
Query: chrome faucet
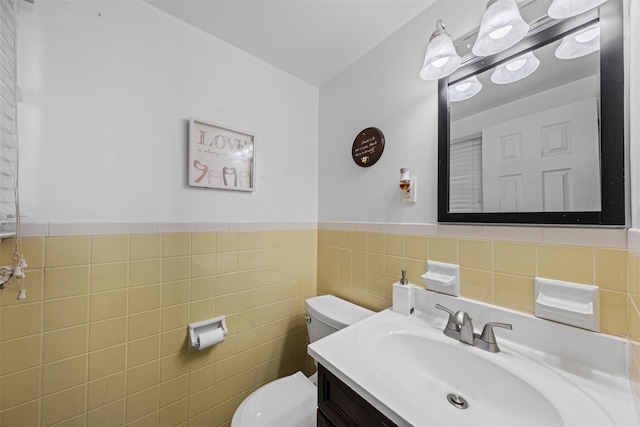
column 460, row 328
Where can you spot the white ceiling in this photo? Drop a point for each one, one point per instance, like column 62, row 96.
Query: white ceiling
column 313, row 40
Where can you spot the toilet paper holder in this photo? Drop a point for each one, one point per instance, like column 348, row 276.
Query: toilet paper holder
column 196, row 329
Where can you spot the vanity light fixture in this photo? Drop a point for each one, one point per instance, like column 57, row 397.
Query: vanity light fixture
column 501, row 27
column 561, row 9
column 465, row 89
column 516, row 69
column 441, row 58
column 580, row 44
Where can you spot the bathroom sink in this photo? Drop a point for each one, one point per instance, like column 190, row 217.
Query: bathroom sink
column 466, row 387
column 415, row 375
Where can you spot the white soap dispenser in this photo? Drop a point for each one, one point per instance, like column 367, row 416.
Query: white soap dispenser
column 404, row 296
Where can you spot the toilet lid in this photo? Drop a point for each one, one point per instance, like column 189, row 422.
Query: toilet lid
column 336, row 312
column 286, row 402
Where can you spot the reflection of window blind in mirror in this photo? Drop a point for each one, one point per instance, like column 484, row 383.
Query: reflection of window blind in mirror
column 465, row 176
column 8, row 113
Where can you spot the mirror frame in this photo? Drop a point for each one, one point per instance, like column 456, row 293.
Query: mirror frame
column 612, row 124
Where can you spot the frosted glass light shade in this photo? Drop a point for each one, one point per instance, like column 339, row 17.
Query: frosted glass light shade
column 501, row 27
column 516, row 69
column 464, row 89
column 441, row 58
column 580, row 44
column 561, row 9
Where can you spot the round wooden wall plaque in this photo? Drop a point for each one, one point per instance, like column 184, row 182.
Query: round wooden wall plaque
column 368, row 147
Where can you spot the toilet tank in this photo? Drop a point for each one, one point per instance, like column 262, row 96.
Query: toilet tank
column 328, row 314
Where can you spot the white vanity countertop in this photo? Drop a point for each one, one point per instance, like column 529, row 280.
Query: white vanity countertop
column 562, row 378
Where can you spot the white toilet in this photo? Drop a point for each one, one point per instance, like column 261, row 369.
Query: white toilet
column 292, row 401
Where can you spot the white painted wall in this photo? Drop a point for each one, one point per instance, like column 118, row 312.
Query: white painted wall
column 383, row 89
column 108, row 89
column 107, row 98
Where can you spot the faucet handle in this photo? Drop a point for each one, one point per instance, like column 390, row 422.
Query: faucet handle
column 487, row 334
column 443, row 308
column 451, row 323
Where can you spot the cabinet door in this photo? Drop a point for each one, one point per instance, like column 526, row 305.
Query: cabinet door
column 339, row 405
column 323, row 421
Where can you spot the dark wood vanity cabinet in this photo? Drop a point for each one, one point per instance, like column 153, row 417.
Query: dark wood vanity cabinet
column 339, row 405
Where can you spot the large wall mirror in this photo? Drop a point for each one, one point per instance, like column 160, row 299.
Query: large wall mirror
column 535, row 134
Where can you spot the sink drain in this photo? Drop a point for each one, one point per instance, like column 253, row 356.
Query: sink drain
column 457, row 401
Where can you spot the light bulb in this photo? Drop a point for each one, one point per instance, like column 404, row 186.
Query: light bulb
column 515, row 70
column 516, row 65
column 465, row 89
column 588, row 35
column 561, row 9
column 580, row 44
column 440, row 62
column 500, row 32
column 441, row 58
column 501, row 27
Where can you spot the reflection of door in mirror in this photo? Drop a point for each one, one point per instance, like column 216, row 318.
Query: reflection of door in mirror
column 544, row 162
column 538, row 140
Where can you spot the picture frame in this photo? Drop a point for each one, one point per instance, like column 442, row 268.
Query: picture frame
column 220, row 157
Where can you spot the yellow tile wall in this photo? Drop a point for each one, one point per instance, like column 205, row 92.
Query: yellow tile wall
column 101, row 338
column 497, row 272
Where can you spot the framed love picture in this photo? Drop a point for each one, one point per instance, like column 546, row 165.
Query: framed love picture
column 220, row 157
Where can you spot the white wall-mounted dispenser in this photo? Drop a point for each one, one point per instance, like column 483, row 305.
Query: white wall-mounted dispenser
column 570, row 303
column 404, row 296
column 207, row 333
column 442, row 277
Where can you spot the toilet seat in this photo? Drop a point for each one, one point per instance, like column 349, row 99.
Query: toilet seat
column 286, row 402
